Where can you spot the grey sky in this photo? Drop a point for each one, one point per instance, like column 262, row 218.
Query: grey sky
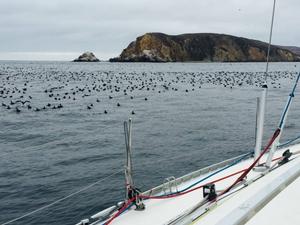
column 61, row 29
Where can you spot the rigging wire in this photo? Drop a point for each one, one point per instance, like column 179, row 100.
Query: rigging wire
column 273, row 139
column 63, row 198
column 270, row 40
column 244, row 174
column 129, row 202
column 247, row 170
column 81, row 190
column 158, row 197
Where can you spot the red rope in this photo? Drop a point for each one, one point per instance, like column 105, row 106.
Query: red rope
column 168, row 196
column 121, row 210
column 126, row 205
column 275, row 135
column 193, row 189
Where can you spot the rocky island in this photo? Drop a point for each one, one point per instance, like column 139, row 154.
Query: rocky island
column 206, row 47
column 87, row 57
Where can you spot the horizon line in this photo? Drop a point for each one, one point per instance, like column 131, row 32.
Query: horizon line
column 49, row 56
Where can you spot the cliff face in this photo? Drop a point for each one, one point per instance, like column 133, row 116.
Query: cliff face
column 159, row 47
column 294, row 49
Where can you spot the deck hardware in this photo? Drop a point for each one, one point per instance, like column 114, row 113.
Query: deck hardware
column 169, row 183
column 286, row 155
column 138, row 202
column 210, row 191
column 120, row 204
column 84, row 222
column 104, row 213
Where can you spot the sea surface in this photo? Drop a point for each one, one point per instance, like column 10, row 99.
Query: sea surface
column 61, row 127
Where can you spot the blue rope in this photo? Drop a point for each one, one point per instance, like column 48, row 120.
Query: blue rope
column 210, row 175
column 288, row 142
column 203, row 179
column 292, row 94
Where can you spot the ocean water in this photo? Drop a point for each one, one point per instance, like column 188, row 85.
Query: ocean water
column 56, row 138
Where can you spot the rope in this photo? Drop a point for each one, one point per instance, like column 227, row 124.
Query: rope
column 288, row 142
column 275, row 135
column 214, row 173
column 128, row 204
column 79, row 191
column 123, row 209
column 201, row 186
column 62, row 199
column 179, row 193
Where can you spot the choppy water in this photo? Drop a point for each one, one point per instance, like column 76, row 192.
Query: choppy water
column 191, row 118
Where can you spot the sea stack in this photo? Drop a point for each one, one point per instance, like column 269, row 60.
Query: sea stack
column 204, row 47
column 87, row 57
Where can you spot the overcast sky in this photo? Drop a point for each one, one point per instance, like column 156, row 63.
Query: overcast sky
column 61, row 29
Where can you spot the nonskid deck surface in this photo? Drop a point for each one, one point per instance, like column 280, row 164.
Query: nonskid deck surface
column 224, row 211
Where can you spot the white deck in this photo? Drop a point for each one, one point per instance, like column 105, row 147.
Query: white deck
column 283, row 209
column 280, row 208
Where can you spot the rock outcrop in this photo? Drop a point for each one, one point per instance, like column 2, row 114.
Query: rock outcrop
column 87, row 57
column 207, row 47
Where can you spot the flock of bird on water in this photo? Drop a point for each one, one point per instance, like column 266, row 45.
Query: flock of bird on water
column 22, row 90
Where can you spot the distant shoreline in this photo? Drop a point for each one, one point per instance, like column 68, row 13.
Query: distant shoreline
column 108, row 62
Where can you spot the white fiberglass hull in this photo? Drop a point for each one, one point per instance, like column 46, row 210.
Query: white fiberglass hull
column 258, row 200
